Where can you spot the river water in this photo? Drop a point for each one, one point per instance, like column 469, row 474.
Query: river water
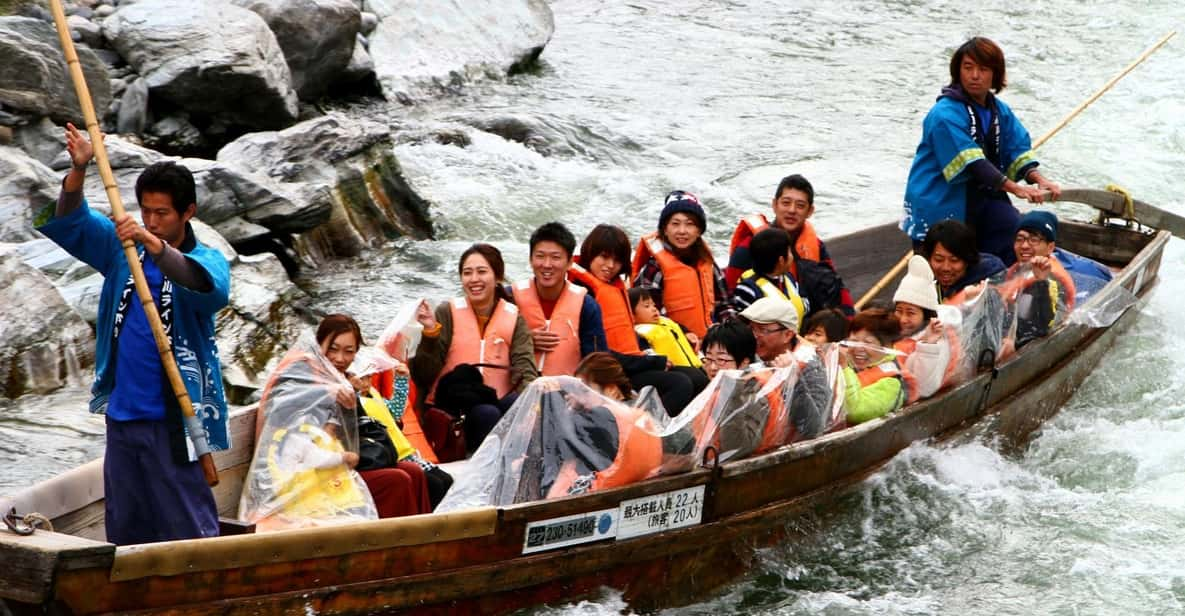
column 722, row 98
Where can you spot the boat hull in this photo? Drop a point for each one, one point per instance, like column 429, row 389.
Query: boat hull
column 474, row 562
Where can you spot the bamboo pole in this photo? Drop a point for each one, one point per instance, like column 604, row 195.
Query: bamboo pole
column 886, row 279
column 163, row 345
column 892, row 273
column 1103, row 90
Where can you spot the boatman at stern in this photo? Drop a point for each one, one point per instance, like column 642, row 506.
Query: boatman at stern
column 154, row 488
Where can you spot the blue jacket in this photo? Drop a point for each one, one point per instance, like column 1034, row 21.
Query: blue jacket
column 938, row 179
column 90, row 237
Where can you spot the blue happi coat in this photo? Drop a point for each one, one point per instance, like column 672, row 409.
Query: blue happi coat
column 90, row 237
column 939, row 179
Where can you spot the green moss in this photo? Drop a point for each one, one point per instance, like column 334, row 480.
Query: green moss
column 8, row 7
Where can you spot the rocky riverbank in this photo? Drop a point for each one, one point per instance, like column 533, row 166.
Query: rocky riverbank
column 236, row 91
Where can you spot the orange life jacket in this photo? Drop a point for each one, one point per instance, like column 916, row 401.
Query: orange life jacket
column 616, row 315
column 688, row 293
column 639, row 453
column 891, row 369
column 564, row 321
column 805, row 247
column 469, row 346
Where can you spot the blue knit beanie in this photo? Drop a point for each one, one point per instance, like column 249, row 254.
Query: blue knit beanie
column 682, row 202
column 1039, row 221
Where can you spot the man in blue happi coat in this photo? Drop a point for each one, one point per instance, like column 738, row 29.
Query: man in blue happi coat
column 973, row 152
column 154, row 488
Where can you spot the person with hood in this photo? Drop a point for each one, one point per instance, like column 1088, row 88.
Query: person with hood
column 973, row 153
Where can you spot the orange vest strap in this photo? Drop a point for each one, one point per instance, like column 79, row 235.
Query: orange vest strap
column 616, row 315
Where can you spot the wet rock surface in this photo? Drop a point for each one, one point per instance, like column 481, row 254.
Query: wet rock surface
column 209, row 58
column 33, row 75
column 423, row 48
column 46, row 343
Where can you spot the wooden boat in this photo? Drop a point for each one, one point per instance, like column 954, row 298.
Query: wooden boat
column 494, row 560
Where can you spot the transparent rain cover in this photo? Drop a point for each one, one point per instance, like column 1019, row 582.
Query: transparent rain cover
column 297, row 477
column 562, row 438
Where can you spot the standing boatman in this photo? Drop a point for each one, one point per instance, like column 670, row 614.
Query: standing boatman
column 154, row 488
column 973, row 152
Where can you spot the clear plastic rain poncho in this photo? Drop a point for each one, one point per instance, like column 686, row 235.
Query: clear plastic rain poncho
column 562, row 438
column 994, row 320
column 297, row 476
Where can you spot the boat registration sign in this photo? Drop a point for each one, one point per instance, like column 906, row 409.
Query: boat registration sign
column 570, row 530
column 660, row 512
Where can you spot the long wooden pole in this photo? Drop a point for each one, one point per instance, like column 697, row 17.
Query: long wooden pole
column 163, row 345
column 888, row 277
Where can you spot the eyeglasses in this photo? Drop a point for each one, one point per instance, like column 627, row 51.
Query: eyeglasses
column 721, row 361
column 759, row 332
column 1031, row 240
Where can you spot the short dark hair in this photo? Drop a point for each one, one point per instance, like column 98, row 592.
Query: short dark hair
column 796, row 182
column 171, row 179
column 334, row 325
column 605, row 240
column 734, row 337
column 955, row 237
column 985, row 52
column 769, row 245
column 878, row 322
column 493, row 256
column 833, row 322
column 554, row 232
column 637, row 294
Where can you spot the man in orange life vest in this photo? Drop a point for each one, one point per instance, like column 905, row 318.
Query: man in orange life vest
column 793, row 204
column 564, row 318
column 774, row 323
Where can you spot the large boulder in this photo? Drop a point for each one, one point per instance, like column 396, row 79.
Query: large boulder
column 353, row 162
column 317, row 37
column 210, row 58
column 423, row 47
column 265, row 316
column 33, row 74
column 46, row 343
column 26, row 186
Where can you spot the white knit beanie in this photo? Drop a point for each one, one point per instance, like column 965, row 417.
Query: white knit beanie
column 918, row 287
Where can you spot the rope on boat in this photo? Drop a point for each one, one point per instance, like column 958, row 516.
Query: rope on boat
column 1129, row 205
column 25, row 525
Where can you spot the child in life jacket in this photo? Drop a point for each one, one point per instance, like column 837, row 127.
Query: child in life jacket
column 825, row 326
column 874, row 383
column 926, row 344
column 659, row 333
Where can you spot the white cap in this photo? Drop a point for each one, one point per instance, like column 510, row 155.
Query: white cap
column 772, row 310
column 918, row 287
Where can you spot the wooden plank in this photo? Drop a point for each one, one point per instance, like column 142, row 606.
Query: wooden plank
column 193, row 555
column 1109, row 244
column 31, row 562
column 1114, row 204
column 62, row 494
column 861, row 258
column 241, row 427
